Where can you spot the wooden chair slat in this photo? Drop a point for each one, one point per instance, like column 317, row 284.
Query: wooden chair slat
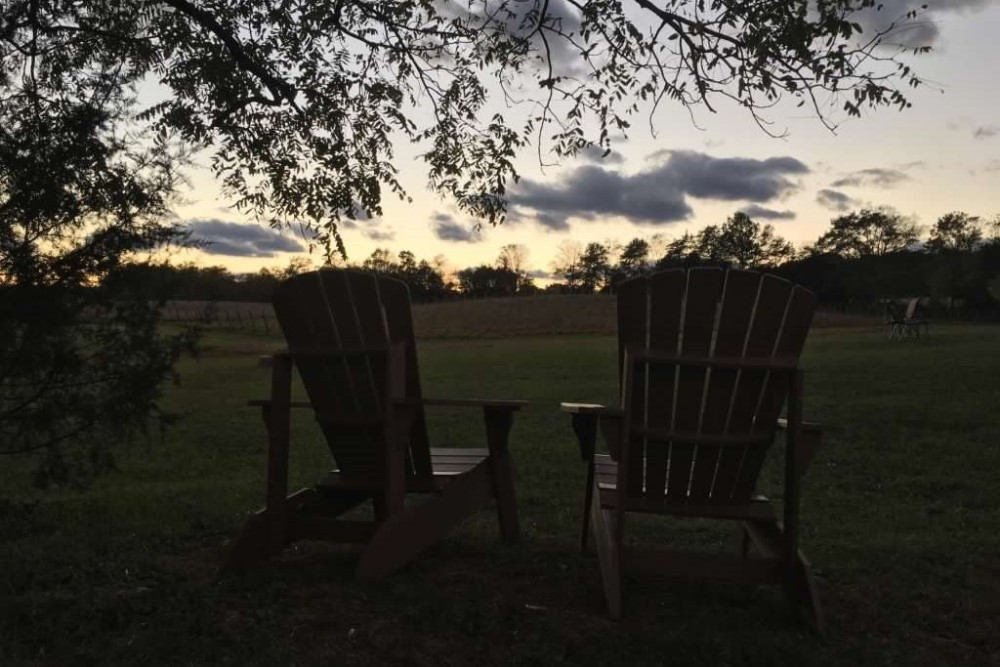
column 307, row 323
column 769, row 312
column 371, row 324
column 395, row 299
column 666, row 299
column 633, row 322
column 301, row 332
column 366, row 387
column 738, row 301
column 795, row 326
column 702, row 300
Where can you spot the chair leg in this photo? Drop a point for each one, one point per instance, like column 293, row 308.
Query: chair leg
column 255, row 541
column 608, row 555
column 800, row 587
column 502, row 477
column 406, row 534
column 588, row 498
column 743, row 541
column 498, row 425
column 804, row 595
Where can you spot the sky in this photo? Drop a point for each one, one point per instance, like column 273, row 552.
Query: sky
column 941, row 155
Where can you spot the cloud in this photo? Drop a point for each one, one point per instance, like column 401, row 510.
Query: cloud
column 874, row 178
column 986, row 131
column 657, row 195
column 596, row 154
column 834, row 200
column 541, row 274
column 922, row 31
column 380, row 234
column 993, row 166
column 520, row 19
column 447, row 228
column 755, row 211
column 241, row 240
column 369, row 227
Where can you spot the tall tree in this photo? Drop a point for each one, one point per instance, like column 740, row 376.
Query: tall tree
column 746, row 244
column 868, row 233
column 593, row 267
column 679, row 252
column 634, row 258
column 84, row 196
column 955, row 232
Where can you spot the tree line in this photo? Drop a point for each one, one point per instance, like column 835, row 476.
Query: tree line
column 864, row 257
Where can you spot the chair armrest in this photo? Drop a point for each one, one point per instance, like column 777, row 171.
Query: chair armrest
column 267, row 360
column 587, row 418
column 806, row 425
column 488, row 404
column 266, row 403
column 404, row 402
column 590, row 409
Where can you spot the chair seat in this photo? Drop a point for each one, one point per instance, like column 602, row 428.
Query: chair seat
column 446, row 463
column 605, row 476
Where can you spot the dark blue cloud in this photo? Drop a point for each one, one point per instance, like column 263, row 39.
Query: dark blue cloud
column 874, row 178
column 657, row 195
column 447, row 228
column 835, row 200
column 241, row 240
column 598, row 155
column 890, row 15
column 755, row 211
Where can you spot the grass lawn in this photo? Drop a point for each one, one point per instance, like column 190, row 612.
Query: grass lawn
column 901, row 518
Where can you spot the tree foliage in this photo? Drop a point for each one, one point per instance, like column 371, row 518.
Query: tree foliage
column 82, row 194
column 301, row 103
column 868, row 233
column 955, row 232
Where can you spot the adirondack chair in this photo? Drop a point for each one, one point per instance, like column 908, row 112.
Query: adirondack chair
column 908, row 325
column 350, row 336
column 707, row 359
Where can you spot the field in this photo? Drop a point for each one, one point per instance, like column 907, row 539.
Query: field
column 901, row 518
column 466, row 318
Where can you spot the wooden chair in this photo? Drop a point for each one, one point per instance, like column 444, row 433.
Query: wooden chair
column 707, row 358
column 908, row 325
column 350, row 335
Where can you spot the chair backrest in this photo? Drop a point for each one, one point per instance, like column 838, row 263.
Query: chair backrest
column 911, row 308
column 344, row 329
column 698, row 429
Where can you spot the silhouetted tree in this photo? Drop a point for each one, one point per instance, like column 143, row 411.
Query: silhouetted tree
column 743, row 243
column 634, row 258
column 593, row 268
column 514, row 257
column 680, row 252
column 868, row 233
column 955, row 232
column 487, row 281
column 82, row 360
